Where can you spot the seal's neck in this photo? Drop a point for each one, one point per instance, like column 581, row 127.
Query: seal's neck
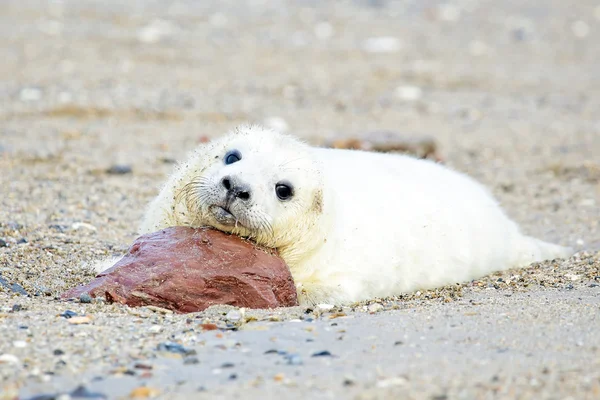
column 298, row 253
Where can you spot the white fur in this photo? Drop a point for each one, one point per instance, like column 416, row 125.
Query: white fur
column 385, row 224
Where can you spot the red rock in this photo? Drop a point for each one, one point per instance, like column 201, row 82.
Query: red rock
column 188, row 270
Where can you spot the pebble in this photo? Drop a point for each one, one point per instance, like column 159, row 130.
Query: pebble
column 30, row 94
column 375, row 307
column 155, row 31
column 82, row 225
column 143, row 392
column 233, row 315
column 409, row 92
column 68, row 314
column 191, row 361
column 18, row 289
column 385, row 383
column 384, row 44
column 325, row 307
column 293, row 359
column 176, row 348
column 3, row 243
column 155, row 329
column 119, row 169
column 324, row 353
column 85, row 298
column 580, row 29
column 20, row 344
column 8, row 359
column 81, row 392
column 80, row 320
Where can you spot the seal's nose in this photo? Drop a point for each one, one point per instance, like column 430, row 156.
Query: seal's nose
column 236, row 188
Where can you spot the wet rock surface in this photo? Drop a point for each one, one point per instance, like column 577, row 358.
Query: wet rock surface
column 188, row 270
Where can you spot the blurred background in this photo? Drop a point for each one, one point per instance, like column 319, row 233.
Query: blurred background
column 99, row 98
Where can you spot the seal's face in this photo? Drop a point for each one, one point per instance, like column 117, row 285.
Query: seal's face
column 259, row 185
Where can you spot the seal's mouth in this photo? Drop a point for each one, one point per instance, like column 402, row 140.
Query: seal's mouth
column 223, row 216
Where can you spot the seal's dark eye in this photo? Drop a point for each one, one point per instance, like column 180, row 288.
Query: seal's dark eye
column 232, row 156
column 284, row 191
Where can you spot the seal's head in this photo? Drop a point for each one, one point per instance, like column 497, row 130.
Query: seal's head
column 258, row 184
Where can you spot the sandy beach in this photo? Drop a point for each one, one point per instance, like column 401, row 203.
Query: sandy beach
column 98, row 101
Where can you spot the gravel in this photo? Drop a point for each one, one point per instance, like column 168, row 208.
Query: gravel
column 99, row 99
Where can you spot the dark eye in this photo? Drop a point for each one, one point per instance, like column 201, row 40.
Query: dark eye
column 232, row 157
column 284, row 191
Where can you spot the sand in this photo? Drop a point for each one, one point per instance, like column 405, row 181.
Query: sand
column 99, row 99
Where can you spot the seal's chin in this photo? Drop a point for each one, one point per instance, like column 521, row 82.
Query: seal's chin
column 223, row 216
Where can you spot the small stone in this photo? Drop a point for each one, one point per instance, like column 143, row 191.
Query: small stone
column 191, row 361
column 82, row 225
column 176, row 348
column 409, row 92
column 22, row 241
column 3, row 243
column 227, row 365
column 324, row 353
column 375, row 307
column 143, row 366
column 234, row 315
column 16, row 308
column 143, row 392
column 20, row 344
column 348, row 382
column 384, row 44
column 580, row 29
column 279, row 377
column 85, row 298
column 68, row 314
column 325, row 307
column 209, row 327
column 385, row 383
column 232, row 377
column 80, row 320
column 155, row 31
column 58, row 352
column 30, row 94
column 119, row 169
column 19, row 289
column 293, row 359
column 155, row 329
column 81, row 392
column 8, row 359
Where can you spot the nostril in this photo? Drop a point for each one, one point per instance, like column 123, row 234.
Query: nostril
column 226, row 183
column 244, row 195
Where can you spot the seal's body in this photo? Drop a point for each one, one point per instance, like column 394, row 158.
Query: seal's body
column 351, row 225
